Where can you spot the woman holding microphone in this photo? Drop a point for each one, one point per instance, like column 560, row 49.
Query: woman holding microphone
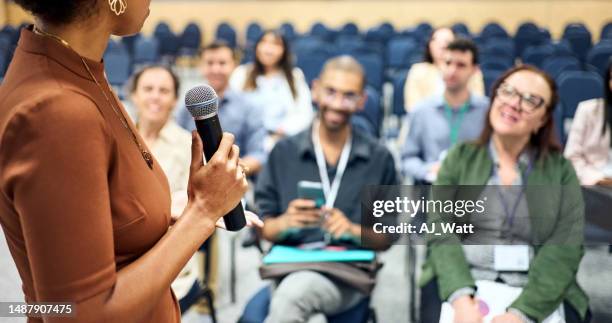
column 84, row 205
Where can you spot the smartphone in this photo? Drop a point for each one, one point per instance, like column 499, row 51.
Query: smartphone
column 312, row 191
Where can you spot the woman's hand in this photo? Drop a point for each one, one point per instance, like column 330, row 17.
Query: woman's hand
column 467, row 310
column 252, row 220
column 180, row 201
column 217, row 187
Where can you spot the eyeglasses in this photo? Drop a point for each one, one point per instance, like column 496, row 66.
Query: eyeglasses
column 528, row 102
column 349, row 99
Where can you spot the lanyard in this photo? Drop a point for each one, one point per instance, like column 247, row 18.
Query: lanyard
column 511, row 215
column 330, row 191
column 455, row 123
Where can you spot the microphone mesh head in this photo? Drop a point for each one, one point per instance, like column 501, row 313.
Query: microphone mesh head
column 202, row 101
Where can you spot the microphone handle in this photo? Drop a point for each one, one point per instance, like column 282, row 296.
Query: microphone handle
column 210, row 132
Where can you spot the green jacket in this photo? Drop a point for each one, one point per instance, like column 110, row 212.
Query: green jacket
column 554, row 218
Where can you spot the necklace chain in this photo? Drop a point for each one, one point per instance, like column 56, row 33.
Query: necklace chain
column 148, row 158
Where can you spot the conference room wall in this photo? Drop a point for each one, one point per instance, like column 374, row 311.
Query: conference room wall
column 553, row 14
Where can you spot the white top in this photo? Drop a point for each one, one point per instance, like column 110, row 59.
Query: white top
column 282, row 113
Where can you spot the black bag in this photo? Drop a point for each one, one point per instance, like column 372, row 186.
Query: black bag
column 359, row 275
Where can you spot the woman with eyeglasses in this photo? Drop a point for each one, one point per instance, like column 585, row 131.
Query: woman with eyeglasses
column 589, row 146
column 528, row 242
column 274, row 84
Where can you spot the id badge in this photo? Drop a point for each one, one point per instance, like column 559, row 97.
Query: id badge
column 511, row 258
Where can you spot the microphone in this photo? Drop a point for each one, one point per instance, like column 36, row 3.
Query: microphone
column 203, row 104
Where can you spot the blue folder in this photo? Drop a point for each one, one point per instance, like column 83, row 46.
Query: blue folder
column 284, row 254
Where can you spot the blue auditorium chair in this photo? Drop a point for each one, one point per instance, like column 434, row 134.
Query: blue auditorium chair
column 555, row 66
column 191, row 39
column 494, row 30
column 311, row 61
column 227, row 33
column 253, row 32
column 146, row 51
column 169, row 43
column 575, row 87
column 387, row 28
column 527, row 34
column 599, row 55
column 162, row 27
column 372, row 112
column 399, row 82
column 461, row 29
column 399, row 50
column 118, row 68
column 606, row 31
column 256, row 310
column 130, row 42
column 579, row 38
column 318, row 29
column 489, row 77
column 494, row 63
column 288, row 31
column 536, row 55
column 424, row 30
column 349, row 29
column 563, row 48
column 374, row 68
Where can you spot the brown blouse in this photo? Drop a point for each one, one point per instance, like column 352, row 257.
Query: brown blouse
column 77, row 200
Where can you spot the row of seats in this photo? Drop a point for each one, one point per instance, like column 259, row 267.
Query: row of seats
column 397, row 49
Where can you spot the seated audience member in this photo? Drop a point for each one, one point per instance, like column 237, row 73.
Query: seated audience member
column 236, row 114
column 516, row 147
column 589, row 146
column 276, row 87
column 441, row 121
column 331, row 151
column 154, row 92
column 425, row 79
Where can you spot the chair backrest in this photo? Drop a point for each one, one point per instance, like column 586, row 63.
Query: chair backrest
column 489, row 77
column 318, row 29
column 117, row 65
column 372, row 110
column 288, row 31
column 494, row 29
column 161, row 28
column 555, row 66
column 578, row 86
column 253, row 32
column 495, row 64
column 227, row 33
column 606, row 31
column 374, row 69
column 599, row 56
column 399, row 82
column 579, row 38
column 191, row 37
column 349, row 29
column 399, row 51
column 461, row 29
column 130, row 42
column 146, row 50
column 527, row 34
column 311, row 61
column 537, row 54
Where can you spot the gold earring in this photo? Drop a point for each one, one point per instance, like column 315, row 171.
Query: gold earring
column 117, row 6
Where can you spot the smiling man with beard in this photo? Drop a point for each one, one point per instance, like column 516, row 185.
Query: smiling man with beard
column 343, row 160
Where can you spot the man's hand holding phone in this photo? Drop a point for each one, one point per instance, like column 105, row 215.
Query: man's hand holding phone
column 301, row 213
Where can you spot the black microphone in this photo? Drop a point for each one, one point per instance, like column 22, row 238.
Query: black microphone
column 203, row 104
